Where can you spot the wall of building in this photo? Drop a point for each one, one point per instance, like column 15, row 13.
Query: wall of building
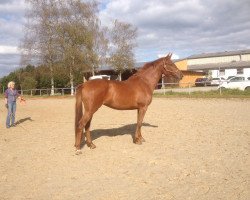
column 230, row 72
column 181, row 65
column 245, row 57
column 246, row 72
column 189, row 78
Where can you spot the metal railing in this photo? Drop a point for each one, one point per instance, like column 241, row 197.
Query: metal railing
column 46, row 92
column 183, row 87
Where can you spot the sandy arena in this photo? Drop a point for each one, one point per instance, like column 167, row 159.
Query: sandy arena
column 195, row 149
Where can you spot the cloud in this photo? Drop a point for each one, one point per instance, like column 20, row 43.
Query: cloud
column 184, row 27
column 11, row 31
column 8, row 63
column 8, row 50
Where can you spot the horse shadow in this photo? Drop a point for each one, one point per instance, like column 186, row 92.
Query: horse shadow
column 20, row 121
column 124, row 130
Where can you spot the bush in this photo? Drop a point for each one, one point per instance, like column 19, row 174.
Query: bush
column 29, row 83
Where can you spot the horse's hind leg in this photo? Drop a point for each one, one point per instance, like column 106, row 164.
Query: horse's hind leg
column 87, row 134
column 82, row 123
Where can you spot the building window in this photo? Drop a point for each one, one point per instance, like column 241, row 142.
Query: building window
column 240, row 71
column 222, row 72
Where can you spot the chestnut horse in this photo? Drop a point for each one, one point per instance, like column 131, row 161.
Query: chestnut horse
column 134, row 93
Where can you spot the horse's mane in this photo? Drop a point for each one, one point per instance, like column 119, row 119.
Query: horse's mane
column 147, row 66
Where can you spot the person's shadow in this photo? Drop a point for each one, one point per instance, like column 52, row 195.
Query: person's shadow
column 124, row 130
column 20, row 121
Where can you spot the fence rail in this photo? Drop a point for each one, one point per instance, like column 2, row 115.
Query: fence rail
column 187, row 87
column 46, row 92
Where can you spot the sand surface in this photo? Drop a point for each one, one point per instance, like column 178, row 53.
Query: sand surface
column 194, row 149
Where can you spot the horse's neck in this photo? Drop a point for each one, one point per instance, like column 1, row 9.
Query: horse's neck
column 151, row 77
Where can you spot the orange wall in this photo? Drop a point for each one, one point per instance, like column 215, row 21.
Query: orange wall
column 189, row 76
column 182, row 65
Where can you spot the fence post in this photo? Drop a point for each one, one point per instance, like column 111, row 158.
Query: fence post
column 62, row 91
column 31, row 93
column 40, row 92
column 189, row 92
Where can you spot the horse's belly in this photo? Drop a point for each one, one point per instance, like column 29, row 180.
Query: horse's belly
column 121, row 103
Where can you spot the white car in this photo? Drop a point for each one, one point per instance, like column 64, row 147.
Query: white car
column 100, row 77
column 237, row 82
column 217, row 81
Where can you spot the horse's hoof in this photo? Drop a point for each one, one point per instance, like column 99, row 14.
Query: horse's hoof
column 138, row 142
column 78, row 152
column 91, row 146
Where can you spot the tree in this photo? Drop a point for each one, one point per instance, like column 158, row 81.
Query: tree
column 99, row 50
column 40, row 40
column 13, row 76
column 78, row 27
column 122, row 37
column 28, row 83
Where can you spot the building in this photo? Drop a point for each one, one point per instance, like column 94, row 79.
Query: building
column 221, row 64
column 189, row 76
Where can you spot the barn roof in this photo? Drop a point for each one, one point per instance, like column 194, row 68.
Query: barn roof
column 220, row 54
column 226, row 65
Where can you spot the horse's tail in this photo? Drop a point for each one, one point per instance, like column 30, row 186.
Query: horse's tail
column 78, row 107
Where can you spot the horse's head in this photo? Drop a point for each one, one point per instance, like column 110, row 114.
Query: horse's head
column 169, row 68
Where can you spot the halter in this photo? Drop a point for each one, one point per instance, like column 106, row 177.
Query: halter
column 165, row 67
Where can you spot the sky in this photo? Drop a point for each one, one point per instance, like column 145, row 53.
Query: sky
column 183, row 27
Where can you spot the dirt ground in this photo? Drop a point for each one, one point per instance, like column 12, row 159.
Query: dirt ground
column 194, row 149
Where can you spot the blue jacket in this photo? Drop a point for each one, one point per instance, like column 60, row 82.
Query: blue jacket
column 11, row 95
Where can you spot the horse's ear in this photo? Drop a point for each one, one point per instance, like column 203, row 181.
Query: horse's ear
column 169, row 56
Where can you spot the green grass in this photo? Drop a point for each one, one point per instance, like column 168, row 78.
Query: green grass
column 227, row 93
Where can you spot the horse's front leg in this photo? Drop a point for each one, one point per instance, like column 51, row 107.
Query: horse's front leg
column 140, row 115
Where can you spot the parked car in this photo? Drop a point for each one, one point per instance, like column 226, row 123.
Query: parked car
column 202, row 82
column 237, row 82
column 230, row 77
column 100, row 77
column 217, row 81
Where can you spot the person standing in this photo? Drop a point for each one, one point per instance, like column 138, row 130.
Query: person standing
column 11, row 95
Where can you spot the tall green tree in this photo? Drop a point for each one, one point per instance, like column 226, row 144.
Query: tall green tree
column 78, row 30
column 40, row 41
column 122, row 42
column 28, row 83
